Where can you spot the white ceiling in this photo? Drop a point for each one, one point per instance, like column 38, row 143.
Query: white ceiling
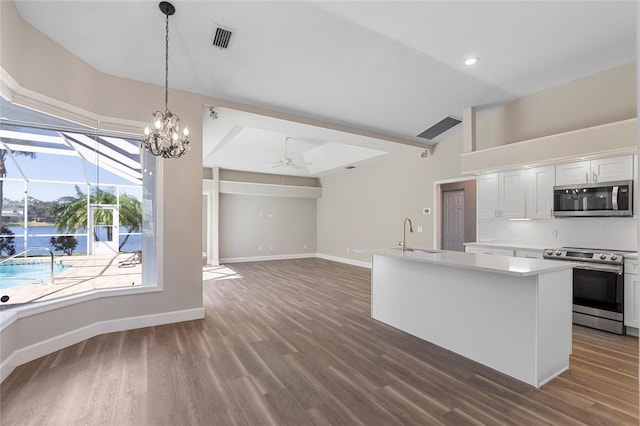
column 394, row 68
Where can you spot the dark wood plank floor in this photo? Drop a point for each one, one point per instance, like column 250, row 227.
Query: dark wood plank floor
column 292, row 343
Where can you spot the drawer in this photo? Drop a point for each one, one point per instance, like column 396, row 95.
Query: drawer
column 631, row 266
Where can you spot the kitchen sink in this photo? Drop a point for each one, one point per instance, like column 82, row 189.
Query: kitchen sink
column 417, row 250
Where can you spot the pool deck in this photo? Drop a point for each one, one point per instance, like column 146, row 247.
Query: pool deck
column 85, row 273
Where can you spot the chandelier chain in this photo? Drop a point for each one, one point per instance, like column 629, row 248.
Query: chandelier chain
column 166, row 66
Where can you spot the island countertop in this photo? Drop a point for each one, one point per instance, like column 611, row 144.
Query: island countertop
column 518, row 266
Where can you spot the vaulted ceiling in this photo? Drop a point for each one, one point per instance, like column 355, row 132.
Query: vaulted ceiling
column 394, row 68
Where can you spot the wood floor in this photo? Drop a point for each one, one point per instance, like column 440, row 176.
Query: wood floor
column 292, row 343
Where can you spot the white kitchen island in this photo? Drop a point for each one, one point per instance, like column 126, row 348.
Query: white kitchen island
column 510, row 314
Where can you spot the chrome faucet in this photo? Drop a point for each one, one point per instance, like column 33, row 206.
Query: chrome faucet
column 404, row 233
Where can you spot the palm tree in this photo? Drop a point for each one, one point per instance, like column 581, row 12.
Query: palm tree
column 3, row 171
column 72, row 212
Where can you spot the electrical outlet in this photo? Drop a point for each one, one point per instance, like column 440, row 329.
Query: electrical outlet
column 420, row 228
column 348, row 250
column 260, row 248
column 305, row 246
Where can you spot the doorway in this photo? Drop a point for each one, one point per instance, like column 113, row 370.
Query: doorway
column 453, row 220
column 104, row 235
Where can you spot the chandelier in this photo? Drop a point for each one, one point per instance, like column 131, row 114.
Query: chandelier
column 164, row 139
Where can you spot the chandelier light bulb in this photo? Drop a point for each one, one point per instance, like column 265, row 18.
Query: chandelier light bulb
column 146, row 131
column 186, row 131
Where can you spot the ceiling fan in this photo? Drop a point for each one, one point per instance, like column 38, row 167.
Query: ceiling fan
column 285, row 160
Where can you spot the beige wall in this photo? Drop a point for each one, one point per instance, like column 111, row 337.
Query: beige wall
column 605, row 97
column 264, row 226
column 364, row 208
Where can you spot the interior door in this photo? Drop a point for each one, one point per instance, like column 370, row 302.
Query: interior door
column 453, row 220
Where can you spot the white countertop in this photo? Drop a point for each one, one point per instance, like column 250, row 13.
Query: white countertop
column 514, row 246
column 518, row 266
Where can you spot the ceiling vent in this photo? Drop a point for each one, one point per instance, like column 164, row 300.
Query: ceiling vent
column 222, row 37
column 440, row 127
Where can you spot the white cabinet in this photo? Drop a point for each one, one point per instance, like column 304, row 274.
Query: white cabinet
column 511, row 189
column 600, row 170
column 613, row 168
column 487, row 196
column 539, row 192
column 573, row 173
column 500, row 195
column 631, row 294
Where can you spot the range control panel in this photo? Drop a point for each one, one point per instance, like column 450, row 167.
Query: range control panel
column 595, row 256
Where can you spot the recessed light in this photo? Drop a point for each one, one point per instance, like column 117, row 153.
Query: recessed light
column 472, row 61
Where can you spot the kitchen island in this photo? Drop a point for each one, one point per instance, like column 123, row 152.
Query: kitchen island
column 510, row 314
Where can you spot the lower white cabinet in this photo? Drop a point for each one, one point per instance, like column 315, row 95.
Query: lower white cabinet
column 631, row 294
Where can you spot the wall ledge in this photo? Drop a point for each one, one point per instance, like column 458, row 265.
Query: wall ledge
column 605, row 140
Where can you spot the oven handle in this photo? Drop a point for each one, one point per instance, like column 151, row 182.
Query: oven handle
column 599, row 267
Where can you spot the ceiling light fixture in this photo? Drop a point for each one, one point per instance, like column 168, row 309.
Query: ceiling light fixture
column 165, row 139
column 472, row 61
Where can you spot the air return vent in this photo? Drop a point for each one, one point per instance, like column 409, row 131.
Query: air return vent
column 440, row 127
column 222, row 37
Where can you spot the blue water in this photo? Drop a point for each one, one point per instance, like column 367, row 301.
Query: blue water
column 134, row 243
column 27, row 273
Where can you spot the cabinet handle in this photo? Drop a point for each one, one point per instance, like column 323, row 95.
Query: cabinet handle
column 586, row 175
column 595, row 177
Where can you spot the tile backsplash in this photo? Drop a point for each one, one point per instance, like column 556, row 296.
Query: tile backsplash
column 595, row 232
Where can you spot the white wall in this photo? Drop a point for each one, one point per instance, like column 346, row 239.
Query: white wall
column 605, row 233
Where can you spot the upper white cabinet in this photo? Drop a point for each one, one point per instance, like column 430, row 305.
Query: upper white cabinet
column 539, row 192
column 500, row 195
column 487, row 197
column 573, row 173
column 511, row 190
column 600, row 170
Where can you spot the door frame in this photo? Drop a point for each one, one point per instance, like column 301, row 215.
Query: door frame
column 437, row 208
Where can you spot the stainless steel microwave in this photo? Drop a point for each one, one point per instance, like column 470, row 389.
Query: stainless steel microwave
column 594, row 199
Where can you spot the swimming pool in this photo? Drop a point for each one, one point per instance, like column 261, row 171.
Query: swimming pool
column 13, row 274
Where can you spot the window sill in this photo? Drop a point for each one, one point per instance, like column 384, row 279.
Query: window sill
column 8, row 317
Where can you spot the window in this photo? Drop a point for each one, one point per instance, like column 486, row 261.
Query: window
column 83, row 194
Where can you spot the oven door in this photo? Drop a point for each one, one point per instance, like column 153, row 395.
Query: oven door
column 598, row 290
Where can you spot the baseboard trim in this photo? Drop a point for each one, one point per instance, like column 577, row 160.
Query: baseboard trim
column 345, row 260
column 265, row 258
column 37, row 350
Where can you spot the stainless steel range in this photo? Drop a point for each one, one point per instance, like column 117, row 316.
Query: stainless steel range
column 598, row 286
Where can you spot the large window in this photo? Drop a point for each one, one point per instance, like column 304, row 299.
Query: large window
column 81, row 194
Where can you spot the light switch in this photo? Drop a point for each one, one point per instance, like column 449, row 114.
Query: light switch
column 420, row 228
